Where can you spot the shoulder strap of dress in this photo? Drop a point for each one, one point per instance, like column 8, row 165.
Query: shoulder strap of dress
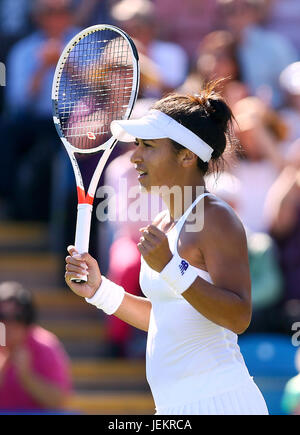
column 183, row 218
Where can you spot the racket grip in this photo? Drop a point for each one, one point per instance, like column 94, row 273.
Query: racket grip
column 82, row 236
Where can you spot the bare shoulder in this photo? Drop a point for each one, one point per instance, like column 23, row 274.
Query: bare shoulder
column 224, row 248
column 221, row 221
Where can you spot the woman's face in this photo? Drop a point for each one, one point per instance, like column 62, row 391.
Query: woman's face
column 156, row 163
column 295, row 102
column 55, row 21
column 250, row 144
column 15, row 333
column 217, row 65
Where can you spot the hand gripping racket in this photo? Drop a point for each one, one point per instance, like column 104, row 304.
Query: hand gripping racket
column 96, row 81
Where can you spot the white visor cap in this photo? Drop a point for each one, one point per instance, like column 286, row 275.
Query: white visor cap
column 158, row 125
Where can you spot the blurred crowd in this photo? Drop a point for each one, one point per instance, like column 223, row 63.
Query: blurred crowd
column 253, row 44
column 35, row 371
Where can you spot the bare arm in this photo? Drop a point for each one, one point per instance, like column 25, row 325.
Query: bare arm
column 44, row 392
column 270, row 147
column 227, row 301
column 282, row 202
column 133, row 309
column 48, row 56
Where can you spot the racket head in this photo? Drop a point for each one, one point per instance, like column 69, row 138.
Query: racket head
column 96, row 81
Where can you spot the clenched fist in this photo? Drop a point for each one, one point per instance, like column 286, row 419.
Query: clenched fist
column 154, row 247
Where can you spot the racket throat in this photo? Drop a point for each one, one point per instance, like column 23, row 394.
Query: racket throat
column 84, row 198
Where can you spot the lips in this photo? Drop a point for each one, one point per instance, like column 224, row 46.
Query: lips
column 142, row 173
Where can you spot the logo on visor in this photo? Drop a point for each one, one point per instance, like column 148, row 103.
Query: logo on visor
column 183, row 267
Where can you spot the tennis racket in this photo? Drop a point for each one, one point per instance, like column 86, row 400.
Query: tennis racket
column 96, row 81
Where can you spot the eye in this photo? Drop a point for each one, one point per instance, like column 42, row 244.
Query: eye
column 143, row 143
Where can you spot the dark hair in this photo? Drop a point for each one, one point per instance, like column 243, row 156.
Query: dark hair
column 22, row 308
column 205, row 114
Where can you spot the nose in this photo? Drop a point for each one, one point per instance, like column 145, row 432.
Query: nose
column 136, row 156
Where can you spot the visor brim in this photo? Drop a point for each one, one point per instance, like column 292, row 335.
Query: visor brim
column 129, row 130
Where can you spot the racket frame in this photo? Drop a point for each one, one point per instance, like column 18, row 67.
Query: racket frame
column 85, row 200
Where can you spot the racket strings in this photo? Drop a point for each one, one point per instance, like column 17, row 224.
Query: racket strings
column 95, row 88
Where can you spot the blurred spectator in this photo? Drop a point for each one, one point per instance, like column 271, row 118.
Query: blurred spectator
column 31, row 137
column 266, row 276
column 218, row 56
column 260, row 131
column 185, row 23
column 226, row 186
column 15, row 23
column 137, row 18
column 92, row 12
column 15, row 18
column 291, row 395
column 36, row 57
column 34, row 368
column 218, row 59
column 290, row 83
column 124, row 268
column 263, row 54
column 124, row 256
column 283, row 16
column 282, row 214
column 266, row 283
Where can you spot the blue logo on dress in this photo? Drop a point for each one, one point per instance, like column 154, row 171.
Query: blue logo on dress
column 183, row 267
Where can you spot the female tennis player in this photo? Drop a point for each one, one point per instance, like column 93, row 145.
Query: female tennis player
column 197, row 284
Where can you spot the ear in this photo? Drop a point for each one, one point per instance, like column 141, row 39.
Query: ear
column 187, row 158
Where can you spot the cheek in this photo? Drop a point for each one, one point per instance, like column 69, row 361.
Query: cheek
column 249, row 144
column 226, row 68
column 296, row 102
column 59, row 22
column 13, row 333
column 166, row 172
column 10, row 336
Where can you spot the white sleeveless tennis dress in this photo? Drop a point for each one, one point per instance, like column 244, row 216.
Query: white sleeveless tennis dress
column 193, row 365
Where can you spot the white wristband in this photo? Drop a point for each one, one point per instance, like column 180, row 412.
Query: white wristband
column 108, row 297
column 178, row 274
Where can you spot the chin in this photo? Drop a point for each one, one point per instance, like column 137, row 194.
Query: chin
column 144, row 188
